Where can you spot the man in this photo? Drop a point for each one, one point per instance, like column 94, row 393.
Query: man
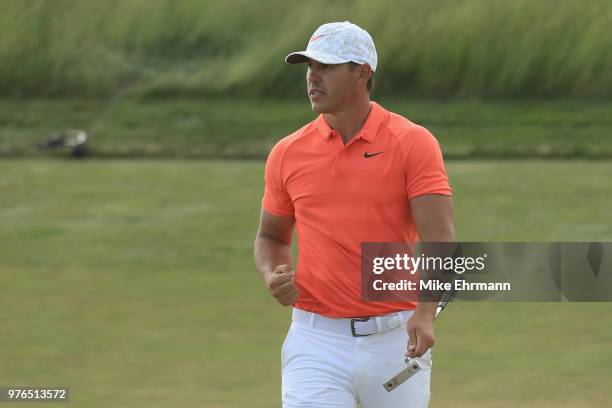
column 358, row 173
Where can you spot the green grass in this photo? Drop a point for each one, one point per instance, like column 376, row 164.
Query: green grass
column 164, row 47
column 248, row 128
column 132, row 282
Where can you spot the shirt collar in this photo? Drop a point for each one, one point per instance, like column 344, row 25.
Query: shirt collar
column 369, row 130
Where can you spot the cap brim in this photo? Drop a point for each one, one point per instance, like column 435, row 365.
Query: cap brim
column 303, row 56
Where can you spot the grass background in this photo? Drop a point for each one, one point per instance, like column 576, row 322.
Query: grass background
column 248, row 128
column 133, row 283
column 472, row 48
column 206, row 79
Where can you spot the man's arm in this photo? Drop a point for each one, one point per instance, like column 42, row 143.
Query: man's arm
column 433, row 217
column 273, row 256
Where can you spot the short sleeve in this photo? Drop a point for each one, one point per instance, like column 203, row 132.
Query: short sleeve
column 424, row 166
column 276, row 200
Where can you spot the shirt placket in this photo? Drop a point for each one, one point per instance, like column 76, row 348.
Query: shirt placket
column 343, row 151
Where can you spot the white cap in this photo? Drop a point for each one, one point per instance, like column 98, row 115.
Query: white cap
column 337, row 43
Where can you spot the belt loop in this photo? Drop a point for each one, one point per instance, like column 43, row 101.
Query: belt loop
column 379, row 326
column 311, row 321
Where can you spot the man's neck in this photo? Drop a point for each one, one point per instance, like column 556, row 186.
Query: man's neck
column 349, row 121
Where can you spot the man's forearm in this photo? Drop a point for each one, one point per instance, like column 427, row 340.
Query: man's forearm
column 441, row 231
column 269, row 253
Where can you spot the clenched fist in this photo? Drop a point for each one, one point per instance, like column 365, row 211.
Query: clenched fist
column 281, row 284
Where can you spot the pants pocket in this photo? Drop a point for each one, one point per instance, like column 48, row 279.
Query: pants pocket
column 286, row 346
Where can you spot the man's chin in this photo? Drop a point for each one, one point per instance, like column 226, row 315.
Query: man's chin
column 318, row 108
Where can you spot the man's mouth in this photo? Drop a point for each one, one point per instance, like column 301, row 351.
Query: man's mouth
column 313, row 93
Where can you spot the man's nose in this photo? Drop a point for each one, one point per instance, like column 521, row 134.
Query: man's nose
column 312, row 75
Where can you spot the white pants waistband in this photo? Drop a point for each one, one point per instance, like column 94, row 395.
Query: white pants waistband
column 356, row 327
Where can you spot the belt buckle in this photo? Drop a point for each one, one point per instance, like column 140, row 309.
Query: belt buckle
column 358, row 319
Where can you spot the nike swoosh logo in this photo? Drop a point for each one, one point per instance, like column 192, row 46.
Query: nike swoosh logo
column 316, row 37
column 366, row 155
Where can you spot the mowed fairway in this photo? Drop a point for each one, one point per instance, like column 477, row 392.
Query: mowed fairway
column 132, row 282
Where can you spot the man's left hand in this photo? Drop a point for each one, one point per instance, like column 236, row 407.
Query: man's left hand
column 420, row 331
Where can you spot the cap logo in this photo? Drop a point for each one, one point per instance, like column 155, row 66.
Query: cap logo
column 316, row 37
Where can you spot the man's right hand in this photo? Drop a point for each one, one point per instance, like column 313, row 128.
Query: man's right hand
column 281, row 284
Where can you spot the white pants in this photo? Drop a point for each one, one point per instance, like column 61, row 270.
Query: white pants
column 324, row 368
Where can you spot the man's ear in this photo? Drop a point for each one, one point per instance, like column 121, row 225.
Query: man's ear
column 365, row 72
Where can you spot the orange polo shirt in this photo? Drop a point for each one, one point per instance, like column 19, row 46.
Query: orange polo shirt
column 343, row 195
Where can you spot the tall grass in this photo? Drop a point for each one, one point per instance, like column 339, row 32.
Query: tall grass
column 472, row 48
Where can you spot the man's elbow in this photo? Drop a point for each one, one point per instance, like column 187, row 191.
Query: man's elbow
column 444, row 232
column 263, row 238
